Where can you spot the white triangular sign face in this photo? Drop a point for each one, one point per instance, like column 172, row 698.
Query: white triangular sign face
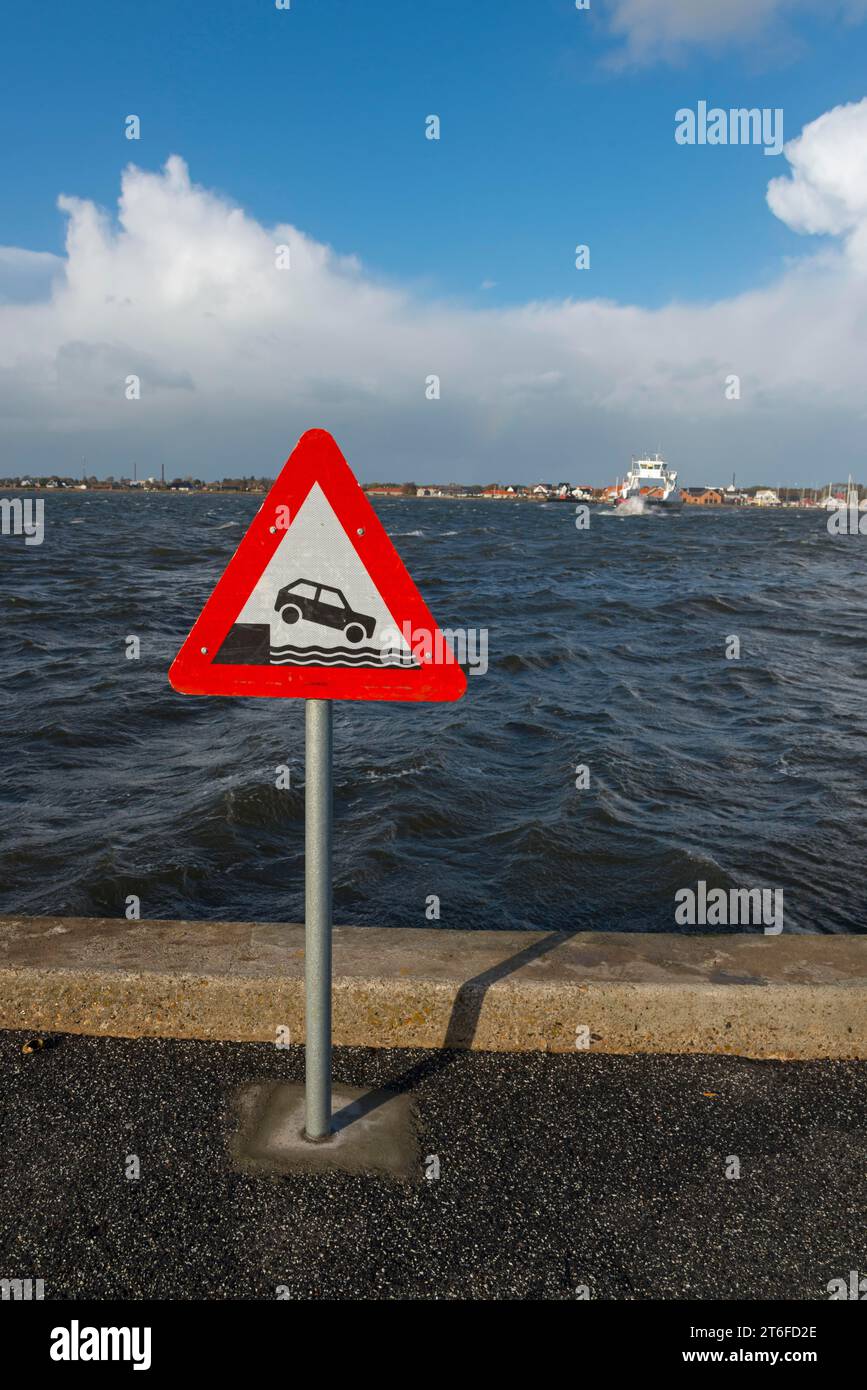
column 318, row 599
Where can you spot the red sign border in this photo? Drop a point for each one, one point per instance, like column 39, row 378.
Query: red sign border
column 316, row 458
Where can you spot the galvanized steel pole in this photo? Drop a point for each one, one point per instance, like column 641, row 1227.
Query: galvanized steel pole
column 317, row 917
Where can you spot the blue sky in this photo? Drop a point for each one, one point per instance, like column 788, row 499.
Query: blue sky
column 316, row 115
column 557, row 128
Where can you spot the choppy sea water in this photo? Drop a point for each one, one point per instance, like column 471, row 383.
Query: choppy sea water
column 606, row 647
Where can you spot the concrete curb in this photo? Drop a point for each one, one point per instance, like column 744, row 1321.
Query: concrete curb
column 751, row 995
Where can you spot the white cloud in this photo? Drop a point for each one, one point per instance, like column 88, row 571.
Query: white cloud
column 668, row 30
column 827, row 191
column 237, row 357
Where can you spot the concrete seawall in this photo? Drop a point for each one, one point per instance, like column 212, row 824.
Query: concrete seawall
column 751, row 995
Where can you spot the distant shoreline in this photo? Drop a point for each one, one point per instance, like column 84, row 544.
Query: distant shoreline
column 806, row 504
column 138, row 491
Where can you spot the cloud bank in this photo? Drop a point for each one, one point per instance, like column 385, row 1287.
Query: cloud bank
column 236, row 357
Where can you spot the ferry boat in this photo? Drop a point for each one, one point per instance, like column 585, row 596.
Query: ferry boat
column 651, row 481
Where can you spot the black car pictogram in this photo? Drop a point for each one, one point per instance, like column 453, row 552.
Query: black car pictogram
column 319, row 603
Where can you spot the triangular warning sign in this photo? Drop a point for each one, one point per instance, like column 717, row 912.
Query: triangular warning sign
column 316, row 601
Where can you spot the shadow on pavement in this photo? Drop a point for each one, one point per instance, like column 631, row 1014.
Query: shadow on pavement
column 461, row 1030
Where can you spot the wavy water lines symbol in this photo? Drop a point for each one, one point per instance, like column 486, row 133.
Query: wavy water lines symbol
column 340, row 656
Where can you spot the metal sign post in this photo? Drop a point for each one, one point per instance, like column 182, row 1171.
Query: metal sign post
column 317, row 918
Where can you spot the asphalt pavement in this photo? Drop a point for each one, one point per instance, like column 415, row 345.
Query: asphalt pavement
column 558, row 1177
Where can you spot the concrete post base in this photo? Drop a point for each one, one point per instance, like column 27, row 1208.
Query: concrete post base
column 374, row 1132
